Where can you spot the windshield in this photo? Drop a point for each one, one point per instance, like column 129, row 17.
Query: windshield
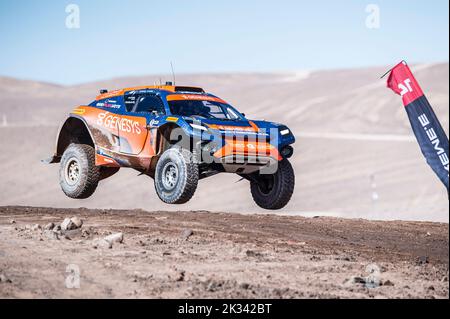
column 204, row 109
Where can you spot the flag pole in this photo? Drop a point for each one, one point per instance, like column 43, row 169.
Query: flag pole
column 386, row 73
column 403, row 61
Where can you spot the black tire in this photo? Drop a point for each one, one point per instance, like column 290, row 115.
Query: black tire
column 274, row 191
column 176, row 176
column 78, row 175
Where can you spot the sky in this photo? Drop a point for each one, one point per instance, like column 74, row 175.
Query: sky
column 141, row 37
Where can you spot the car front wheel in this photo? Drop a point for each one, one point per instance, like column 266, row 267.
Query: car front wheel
column 176, row 176
column 78, row 175
column 273, row 191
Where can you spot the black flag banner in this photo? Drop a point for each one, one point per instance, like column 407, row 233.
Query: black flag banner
column 429, row 132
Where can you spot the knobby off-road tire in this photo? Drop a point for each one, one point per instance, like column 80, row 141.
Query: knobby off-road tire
column 274, row 191
column 78, row 175
column 176, row 176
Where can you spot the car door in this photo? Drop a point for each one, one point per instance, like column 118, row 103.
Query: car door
column 142, row 110
column 102, row 117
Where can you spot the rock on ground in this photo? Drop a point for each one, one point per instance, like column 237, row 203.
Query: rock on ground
column 71, row 223
column 102, row 243
column 114, row 238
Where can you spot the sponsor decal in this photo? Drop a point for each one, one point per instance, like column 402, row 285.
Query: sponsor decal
column 107, row 160
column 429, row 132
column 139, row 92
column 109, row 104
column 115, row 122
column 79, row 111
column 146, row 92
column 435, row 141
column 250, row 146
column 172, row 119
column 235, row 129
column 154, row 122
column 109, row 94
column 104, row 159
column 193, row 97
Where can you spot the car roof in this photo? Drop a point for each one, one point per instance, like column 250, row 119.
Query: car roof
column 167, row 88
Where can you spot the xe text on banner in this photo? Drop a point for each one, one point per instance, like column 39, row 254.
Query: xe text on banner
column 429, row 132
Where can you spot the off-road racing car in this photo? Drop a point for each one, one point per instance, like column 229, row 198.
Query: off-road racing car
column 177, row 136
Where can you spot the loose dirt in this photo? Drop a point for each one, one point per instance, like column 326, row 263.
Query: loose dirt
column 218, row 255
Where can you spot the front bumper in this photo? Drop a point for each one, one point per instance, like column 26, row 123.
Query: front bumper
column 246, row 164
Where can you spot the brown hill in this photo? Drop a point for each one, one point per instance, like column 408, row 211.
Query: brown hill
column 355, row 156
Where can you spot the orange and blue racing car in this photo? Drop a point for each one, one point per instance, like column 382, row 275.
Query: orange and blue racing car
column 176, row 135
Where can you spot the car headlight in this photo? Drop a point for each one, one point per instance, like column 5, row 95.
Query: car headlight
column 198, row 127
column 285, row 132
column 210, row 148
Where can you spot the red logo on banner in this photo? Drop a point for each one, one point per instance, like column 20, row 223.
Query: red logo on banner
column 402, row 81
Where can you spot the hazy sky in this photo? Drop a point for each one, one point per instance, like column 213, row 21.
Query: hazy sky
column 133, row 37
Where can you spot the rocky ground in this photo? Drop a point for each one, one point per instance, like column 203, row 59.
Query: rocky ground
column 81, row 253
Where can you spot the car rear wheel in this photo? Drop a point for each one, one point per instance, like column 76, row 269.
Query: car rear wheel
column 274, row 191
column 176, row 176
column 78, row 175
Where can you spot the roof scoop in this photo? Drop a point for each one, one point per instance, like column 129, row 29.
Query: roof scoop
column 189, row 89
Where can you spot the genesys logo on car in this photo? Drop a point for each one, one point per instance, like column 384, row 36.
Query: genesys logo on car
column 114, row 122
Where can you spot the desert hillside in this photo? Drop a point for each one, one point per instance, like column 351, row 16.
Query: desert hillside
column 354, row 157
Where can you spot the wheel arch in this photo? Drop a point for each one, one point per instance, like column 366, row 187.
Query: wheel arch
column 164, row 138
column 163, row 142
column 73, row 130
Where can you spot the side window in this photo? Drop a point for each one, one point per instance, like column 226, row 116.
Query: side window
column 216, row 111
column 149, row 103
column 130, row 100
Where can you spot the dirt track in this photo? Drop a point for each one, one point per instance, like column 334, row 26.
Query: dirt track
column 228, row 255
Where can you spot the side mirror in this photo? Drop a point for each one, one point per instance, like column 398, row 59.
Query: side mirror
column 243, row 114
